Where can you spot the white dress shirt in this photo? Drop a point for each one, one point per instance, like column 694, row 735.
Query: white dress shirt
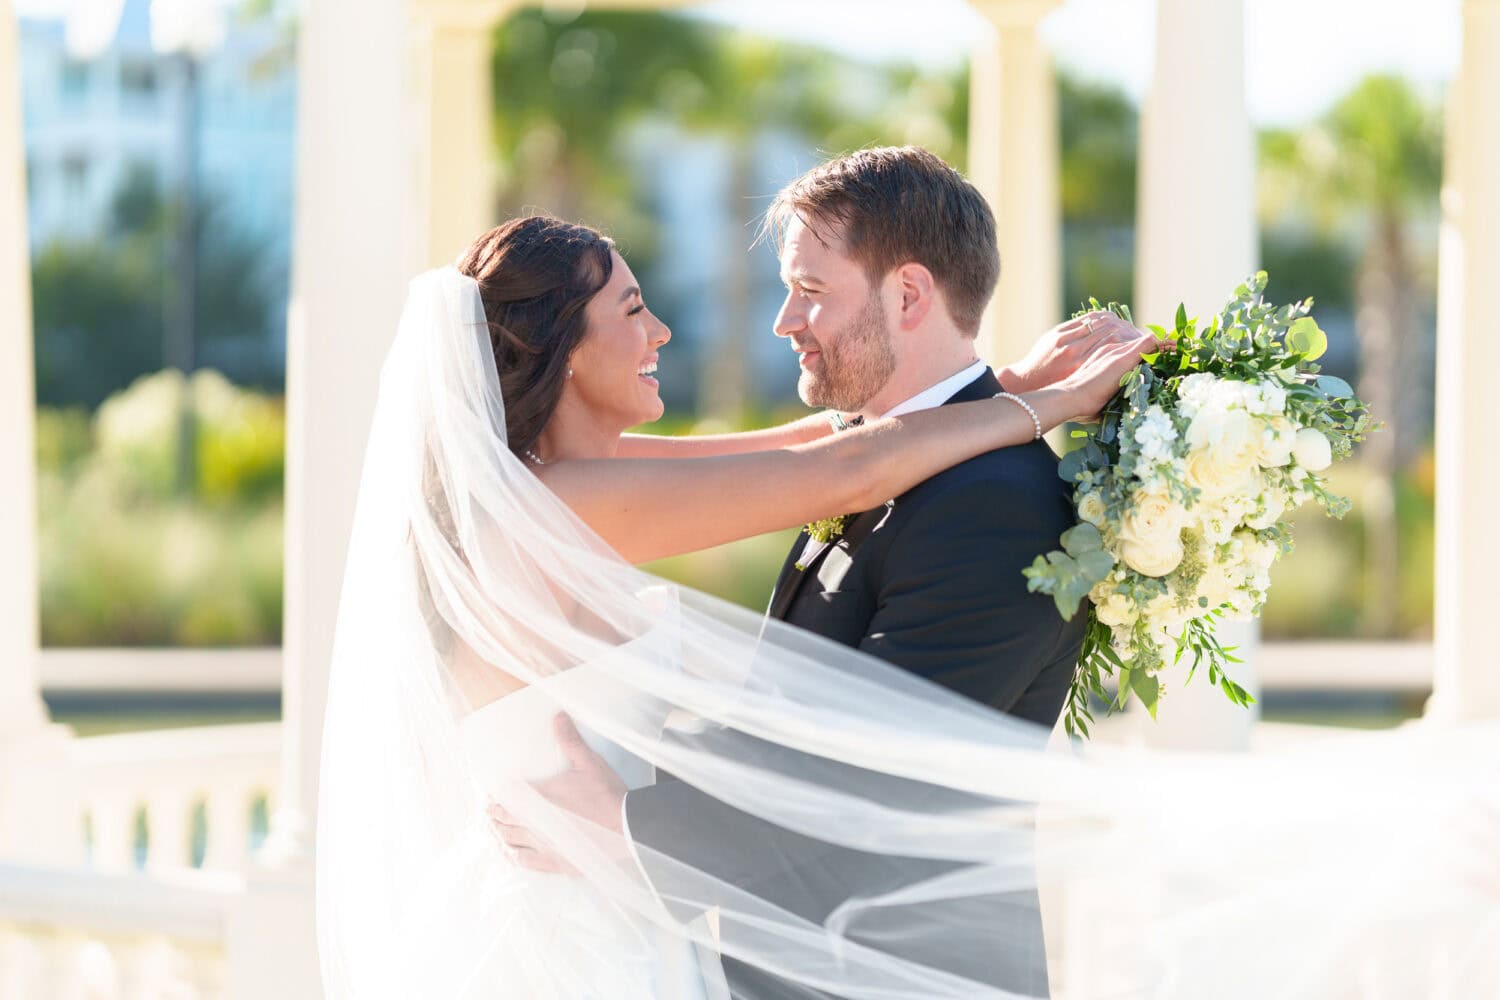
column 933, row 395
column 937, row 395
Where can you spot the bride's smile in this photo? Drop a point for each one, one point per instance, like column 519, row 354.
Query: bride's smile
column 613, row 367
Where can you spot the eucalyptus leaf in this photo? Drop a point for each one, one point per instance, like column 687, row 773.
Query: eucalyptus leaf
column 1071, row 465
column 1334, row 387
column 1082, row 538
column 1095, row 566
column 1307, row 339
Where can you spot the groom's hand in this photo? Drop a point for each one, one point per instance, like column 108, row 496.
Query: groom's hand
column 1062, row 350
column 588, row 788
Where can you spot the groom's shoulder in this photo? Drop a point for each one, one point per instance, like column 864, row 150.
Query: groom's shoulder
column 1025, row 472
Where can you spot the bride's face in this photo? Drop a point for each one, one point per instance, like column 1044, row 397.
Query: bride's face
column 613, row 366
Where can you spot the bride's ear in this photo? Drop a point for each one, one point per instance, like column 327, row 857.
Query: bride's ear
column 917, row 289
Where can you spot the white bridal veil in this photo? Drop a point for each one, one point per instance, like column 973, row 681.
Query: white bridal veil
column 802, row 815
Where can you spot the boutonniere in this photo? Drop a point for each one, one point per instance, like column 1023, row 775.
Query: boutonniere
column 823, row 532
column 828, row 528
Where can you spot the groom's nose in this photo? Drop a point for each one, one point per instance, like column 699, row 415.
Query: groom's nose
column 790, row 319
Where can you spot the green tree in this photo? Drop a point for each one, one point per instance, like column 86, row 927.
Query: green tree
column 99, row 303
column 1097, row 136
column 571, row 91
column 1373, row 165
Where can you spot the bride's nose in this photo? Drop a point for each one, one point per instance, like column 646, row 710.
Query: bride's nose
column 663, row 334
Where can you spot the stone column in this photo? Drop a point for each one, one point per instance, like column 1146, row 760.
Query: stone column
column 1013, row 160
column 39, row 811
column 1466, row 682
column 1196, row 240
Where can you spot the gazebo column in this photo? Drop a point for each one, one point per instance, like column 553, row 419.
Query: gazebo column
column 452, row 44
column 39, row 818
column 1466, row 680
column 1013, row 160
column 1195, row 241
column 357, row 241
column 392, row 177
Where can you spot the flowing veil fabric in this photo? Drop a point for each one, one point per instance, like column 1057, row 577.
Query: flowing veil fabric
column 476, row 606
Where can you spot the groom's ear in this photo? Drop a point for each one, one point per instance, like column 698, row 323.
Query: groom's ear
column 917, row 290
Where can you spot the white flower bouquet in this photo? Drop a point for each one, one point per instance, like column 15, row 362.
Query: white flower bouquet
column 1181, row 490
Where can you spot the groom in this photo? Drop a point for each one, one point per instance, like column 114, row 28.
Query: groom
column 889, row 257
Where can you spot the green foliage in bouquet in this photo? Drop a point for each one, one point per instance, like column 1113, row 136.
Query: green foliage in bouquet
column 1262, row 357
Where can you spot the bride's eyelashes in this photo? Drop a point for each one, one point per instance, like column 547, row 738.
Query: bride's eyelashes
column 637, row 309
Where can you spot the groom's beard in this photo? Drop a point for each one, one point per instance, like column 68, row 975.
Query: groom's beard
column 853, row 366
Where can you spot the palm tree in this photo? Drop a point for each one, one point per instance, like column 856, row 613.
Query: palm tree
column 1374, row 161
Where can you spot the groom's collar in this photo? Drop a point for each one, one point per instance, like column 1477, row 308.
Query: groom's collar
column 937, row 395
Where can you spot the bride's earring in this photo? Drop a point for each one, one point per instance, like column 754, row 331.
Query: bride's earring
column 570, row 371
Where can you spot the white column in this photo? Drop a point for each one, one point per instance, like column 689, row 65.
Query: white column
column 1013, row 160
column 21, row 706
column 1466, row 683
column 356, row 244
column 452, row 48
column 39, row 815
column 1196, row 240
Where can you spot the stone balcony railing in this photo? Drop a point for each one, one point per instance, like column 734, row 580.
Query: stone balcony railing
column 78, row 935
column 176, row 799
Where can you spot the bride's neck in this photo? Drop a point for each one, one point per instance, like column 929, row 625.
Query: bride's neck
column 574, row 433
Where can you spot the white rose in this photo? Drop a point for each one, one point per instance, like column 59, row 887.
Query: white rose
column 1091, row 509
column 1312, row 450
column 1150, row 532
column 1149, row 560
column 1116, row 611
column 1224, row 448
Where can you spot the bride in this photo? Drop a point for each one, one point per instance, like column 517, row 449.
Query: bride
column 490, row 589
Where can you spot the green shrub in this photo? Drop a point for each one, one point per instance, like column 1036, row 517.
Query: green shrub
column 125, row 560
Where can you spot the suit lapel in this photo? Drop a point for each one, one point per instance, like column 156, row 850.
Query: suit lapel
column 789, row 581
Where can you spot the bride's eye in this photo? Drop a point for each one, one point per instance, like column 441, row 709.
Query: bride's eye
column 637, row 309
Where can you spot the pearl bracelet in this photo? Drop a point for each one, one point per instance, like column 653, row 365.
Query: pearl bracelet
column 1025, row 406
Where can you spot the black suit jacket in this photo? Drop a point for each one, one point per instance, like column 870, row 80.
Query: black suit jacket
column 930, row 582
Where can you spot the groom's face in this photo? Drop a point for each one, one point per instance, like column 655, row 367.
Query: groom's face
column 835, row 319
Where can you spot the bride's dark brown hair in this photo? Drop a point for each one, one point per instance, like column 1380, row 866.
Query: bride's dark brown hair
column 536, row 275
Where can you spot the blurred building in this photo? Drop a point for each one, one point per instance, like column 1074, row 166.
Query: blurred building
column 94, row 121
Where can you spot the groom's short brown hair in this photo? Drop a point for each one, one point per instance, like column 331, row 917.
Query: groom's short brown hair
column 895, row 204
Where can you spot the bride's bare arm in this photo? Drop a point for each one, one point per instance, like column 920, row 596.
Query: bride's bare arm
column 650, row 508
column 1056, row 355
column 804, row 431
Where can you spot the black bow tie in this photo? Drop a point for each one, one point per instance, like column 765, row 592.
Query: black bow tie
column 840, row 424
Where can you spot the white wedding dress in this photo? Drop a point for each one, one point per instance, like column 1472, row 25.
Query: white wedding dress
column 609, row 952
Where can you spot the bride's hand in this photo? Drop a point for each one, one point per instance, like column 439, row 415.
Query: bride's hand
column 1098, row 375
column 1062, row 350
